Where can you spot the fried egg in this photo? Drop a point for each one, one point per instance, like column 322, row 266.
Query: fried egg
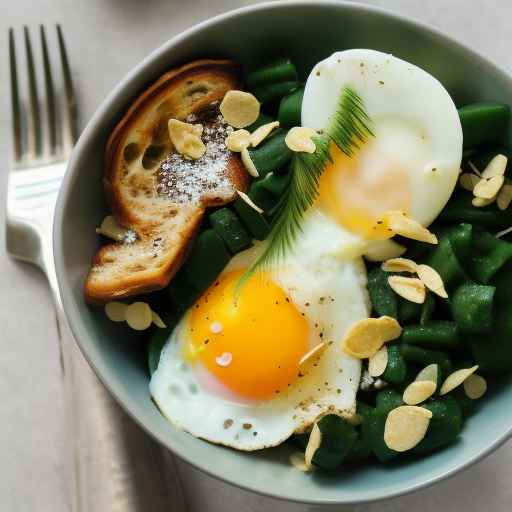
column 231, row 371
column 411, row 163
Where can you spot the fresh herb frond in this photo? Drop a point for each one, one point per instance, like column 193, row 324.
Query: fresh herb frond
column 349, row 128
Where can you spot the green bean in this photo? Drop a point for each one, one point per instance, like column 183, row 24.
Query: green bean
column 280, row 70
column 396, row 369
column 227, row 225
column 437, row 335
column 427, row 309
column 490, row 255
column 472, row 307
column 178, row 296
column 382, row 297
column 408, row 311
column 502, row 280
column 444, row 427
column 484, row 123
column 272, row 155
column 156, row 344
column 290, row 108
column 461, row 239
column 466, row 404
column 274, row 92
column 255, row 223
column 424, row 357
column 262, row 197
column 445, row 261
column 387, row 400
column 338, row 437
column 262, row 119
column 276, row 183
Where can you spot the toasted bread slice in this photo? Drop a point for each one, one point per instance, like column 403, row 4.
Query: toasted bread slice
column 157, row 193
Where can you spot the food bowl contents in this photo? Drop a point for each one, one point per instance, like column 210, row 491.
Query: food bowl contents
column 324, row 263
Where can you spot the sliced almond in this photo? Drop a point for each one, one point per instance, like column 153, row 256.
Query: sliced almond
column 479, row 202
column 378, row 362
column 496, row 167
column 504, row 196
column 418, row 391
column 409, row 288
column 138, row 316
column 239, row 108
column 314, row 353
column 401, row 224
column 475, row 386
column 238, row 140
column 430, row 372
column 298, row 461
column 314, row 442
column 456, row 378
column 249, row 164
column 468, row 180
column 474, row 168
column 400, row 265
column 116, row 311
column 112, row 229
column 499, row 234
column 299, row 139
column 367, row 336
column 157, row 320
column 405, row 427
column 432, row 280
column 246, row 199
column 186, row 138
column 487, row 188
column 382, row 250
column 261, row 133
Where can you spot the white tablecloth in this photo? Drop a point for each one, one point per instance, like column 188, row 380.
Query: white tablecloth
column 105, row 39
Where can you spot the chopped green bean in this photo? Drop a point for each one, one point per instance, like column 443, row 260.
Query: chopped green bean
column 227, row 225
column 396, row 369
column 408, row 311
column 262, row 119
column 472, row 307
column 156, row 344
column 290, row 108
column 272, row 155
column 437, row 335
column 445, row 261
column 280, row 70
column 274, row 92
column 256, row 224
column 387, row 400
column 461, row 239
column 382, row 297
column 427, row 309
column 424, row 357
column 276, row 183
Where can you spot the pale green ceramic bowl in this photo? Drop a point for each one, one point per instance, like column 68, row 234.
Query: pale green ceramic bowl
column 308, row 32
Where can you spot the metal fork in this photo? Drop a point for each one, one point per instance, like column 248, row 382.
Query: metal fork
column 112, row 465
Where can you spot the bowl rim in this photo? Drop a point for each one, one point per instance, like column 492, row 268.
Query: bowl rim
column 79, row 331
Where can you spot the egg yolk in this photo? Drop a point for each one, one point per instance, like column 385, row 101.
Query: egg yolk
column 358, row 190
column 251, row 338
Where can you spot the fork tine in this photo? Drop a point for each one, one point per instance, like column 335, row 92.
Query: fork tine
column 15, row 100
column 70, row 113
column 34, row 118
column 50, row 94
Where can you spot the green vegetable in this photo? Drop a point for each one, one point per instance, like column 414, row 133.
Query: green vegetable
column 408, row 311
column 338, row 437
column 427, row 309
column 262, row 119
column 440, row 335
column 467, row 405
column 482, row 158
column 273, row 92
column 290, row 109
column 424, row 357
column 276, row 183
column 396, row 369
column 387, row 400
column 227, row 225
column 472, row 307
column 461, row 239
column 155, row 346
column 178, row 296
column 382, row 297
column 255, row 223
column 280, row 70
column 272, row 154
column 262, row 197
column 484, row 123
column 445, row 261
column 444, row 427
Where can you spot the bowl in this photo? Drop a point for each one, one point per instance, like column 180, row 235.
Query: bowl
column 308, row 32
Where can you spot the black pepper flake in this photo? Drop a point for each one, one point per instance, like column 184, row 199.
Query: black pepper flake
column 381, row 82
column 338, row 391
column 318, row 73
column 206, row 341
column 255, row 433
column 287, row 299
column 307, row 304
column 321, row 335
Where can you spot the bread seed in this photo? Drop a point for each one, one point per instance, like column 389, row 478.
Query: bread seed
column 378, row 362
column 409, row 288
column 475, row 386
column 239, row 108
column 138, row 316
column 116, row 311
column 456, row 378
column 298, row 139
column 418, row 391
column 405, row 427
column 261, row 133
column 432, row 280
column 238, row 140
column 400, row 265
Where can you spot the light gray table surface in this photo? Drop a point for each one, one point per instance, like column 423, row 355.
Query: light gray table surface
column 105, row 39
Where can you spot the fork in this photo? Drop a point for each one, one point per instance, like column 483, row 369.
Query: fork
column 112, row 465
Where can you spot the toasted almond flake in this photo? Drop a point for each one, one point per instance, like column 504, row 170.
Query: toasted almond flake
column 186, row 138
column 261, row 133
column 367, row 336
column 239, row 108
column 157, row 320
column 487, row 188
column 418, row 391
column 474, row 168
column 409, row 288
column 112, row 229
column 468, row 180
column 430, row 372
column 248, row 163
column 496, row 167
column 504, row 196
column 401, row 224
column 378, row 362
column 400, row 265
column 238, row 140
column 138, row 316
column 116, row 311
column 298, row 461
column 246, row 199
column 479, row 202
column 224, row 359
column 432, row 280
column 405, row 427
column 475, row 386
column 499, row 234
column 315, row 352
column 382, row 250
column 456, row 378
column 314, row 442
column 299, row 139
